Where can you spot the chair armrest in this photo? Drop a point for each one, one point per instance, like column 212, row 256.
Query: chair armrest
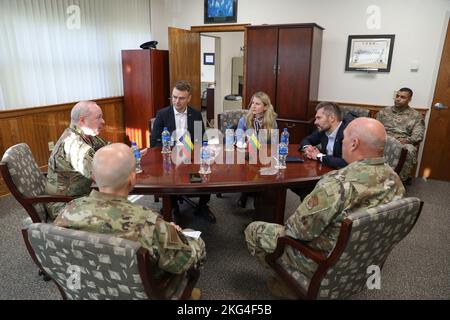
column 47, row 198
column 282, row 242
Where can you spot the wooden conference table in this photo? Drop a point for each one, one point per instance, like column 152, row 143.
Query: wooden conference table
column 162, row 177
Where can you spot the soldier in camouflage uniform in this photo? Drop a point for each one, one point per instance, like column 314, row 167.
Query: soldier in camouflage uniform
column 108, row 211
column 70, row 163
column 366, row 182
column 406, row 125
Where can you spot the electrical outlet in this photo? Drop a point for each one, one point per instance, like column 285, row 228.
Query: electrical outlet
column 51, row 146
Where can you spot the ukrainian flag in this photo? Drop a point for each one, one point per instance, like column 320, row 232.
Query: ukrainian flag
column 188, row 146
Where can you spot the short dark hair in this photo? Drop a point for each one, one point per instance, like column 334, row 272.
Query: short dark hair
column 183, row 85
column 330, row 108
column 407, row 90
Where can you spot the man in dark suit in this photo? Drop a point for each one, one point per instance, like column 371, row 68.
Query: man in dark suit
column 179, row 118
column 329, row 135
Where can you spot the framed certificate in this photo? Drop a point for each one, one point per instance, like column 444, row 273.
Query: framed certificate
column 369, row 53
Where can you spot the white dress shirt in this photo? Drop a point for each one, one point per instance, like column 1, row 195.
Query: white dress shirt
column 180, row 124
column 332, row 139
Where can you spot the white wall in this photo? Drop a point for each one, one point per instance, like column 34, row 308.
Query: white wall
column 207, row 71
column 160, row 21
column 418, row 26
column 230, row 42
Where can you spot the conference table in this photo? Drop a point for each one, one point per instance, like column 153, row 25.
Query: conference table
column 162, row 177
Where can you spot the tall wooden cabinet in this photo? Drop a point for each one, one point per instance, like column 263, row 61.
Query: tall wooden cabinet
column 146, row 90
column 284, row 62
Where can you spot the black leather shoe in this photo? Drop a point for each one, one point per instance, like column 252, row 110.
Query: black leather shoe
column 206, row 213
column 242, row 201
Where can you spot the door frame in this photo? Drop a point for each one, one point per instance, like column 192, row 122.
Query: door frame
column 223, row 28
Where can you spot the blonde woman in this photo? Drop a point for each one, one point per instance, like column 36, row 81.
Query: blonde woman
column 261, row 115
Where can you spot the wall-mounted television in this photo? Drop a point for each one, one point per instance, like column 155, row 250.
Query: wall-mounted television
column 220, row 11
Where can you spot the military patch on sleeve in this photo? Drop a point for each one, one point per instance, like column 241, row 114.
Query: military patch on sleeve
column 174, row 238
column 312, row 202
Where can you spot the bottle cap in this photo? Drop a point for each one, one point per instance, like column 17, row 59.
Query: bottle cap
column 165, row 129
column 133, row 143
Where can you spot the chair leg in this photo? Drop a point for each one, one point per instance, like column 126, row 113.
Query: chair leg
column 44, row 275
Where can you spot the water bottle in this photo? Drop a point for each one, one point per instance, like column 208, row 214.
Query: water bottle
column 137, row 156
column 205, row 161
column 229, row 139
column 165, row 139
column 285, row 137
column 282, row 154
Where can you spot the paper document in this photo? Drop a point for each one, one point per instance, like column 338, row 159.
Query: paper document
column 192, row 234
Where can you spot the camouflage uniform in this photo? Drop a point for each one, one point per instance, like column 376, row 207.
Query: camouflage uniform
column 115, row 215
column 70, row 166
column 407, row 124
column 362, row 184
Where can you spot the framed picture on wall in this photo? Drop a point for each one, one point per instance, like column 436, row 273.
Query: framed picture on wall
column 369, row 53
column 208, row 58
column 220, row 11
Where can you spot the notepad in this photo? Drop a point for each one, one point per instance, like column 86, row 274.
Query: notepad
column 192, row 234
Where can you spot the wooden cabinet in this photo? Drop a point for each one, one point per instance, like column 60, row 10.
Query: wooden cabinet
column 146, row 90
column 284, row 62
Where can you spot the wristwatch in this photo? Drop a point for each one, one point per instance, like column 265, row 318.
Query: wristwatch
column 320, row 156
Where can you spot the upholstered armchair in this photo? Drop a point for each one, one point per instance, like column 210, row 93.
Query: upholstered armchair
column 394, row 154
column 26, row 182
column 366, row 238
column 230, row 118
column 94, row 266
column 355, row 111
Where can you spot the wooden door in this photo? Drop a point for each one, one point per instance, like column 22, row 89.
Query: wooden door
column 261, row 62
column 436, row 153
column 294, row 59
column 184, row 61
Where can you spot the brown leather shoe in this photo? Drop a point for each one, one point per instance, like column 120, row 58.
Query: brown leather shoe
column 278, row 289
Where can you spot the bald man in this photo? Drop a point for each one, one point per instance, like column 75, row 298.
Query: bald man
column 70, row 163
column 366, row 182
column 109, row 211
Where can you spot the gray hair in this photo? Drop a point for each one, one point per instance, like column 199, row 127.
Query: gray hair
column 81, row 109
column 112, row 165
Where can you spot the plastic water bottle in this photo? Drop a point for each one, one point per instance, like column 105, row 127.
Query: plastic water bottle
column 137, row 156
column 165, row 139
column 285, row 137
column 205, row 161
column 282, row 154
column 229, row 139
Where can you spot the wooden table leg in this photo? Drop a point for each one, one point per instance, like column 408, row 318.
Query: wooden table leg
column 270, row 205
column 167, row 208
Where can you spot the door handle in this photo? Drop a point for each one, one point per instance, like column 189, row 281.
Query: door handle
column 440, row 106
column 279, row 69
column 274, row 69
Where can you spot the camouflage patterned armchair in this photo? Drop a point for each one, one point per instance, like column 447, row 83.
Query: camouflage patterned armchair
column 355, row 111
column 230, row 118
column 26, row 182
column 394, row 154
column 92, row 266
column 366, row 239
